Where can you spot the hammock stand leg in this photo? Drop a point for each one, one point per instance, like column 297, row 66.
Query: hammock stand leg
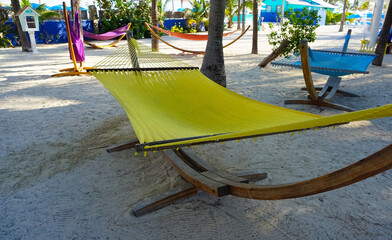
column 203, row 177
column 122, row 146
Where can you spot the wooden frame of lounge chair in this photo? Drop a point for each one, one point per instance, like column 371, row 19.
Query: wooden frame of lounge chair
column 202, row 176
column 113, row 44
column 325, row 93
column 192, row 51
column 76, row 70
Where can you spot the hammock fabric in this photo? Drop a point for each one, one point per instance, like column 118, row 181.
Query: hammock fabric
column 331, row 63
column 77, row 41
column 171, row 107
column 189, row 36
column 108, row 35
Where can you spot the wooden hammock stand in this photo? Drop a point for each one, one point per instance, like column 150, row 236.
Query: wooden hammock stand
column 202, row 176
column 76, row 70
column 323, row 96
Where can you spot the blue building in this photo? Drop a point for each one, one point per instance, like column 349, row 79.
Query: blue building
column 274, row 7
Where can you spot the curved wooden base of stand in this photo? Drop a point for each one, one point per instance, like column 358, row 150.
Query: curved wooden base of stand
column 217, row 183
column 202, row 176
column 73, row 71
column 320, row 104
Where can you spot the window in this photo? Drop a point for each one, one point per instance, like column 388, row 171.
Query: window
column 30, row 22
column 268, row 8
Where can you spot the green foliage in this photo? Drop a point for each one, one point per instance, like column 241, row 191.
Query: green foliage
column 161, row 12
column 299, row 26
column 364, row 6
column 179, row 29
column 232, row 9
column 335, row 18
column 198, row 12
column 4, row 42
column 118, row 13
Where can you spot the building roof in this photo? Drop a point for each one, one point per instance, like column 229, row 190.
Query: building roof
column 314, row 3
column 24, row 8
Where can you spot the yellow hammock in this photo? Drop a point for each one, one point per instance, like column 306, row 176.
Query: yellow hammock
column 169, row 107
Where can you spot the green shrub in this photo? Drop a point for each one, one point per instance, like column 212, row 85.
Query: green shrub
column 118, row 13
column 4, row 29
column 299, row 26
column 335, row 18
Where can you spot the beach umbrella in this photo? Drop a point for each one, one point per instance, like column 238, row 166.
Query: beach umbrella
column 352, row 16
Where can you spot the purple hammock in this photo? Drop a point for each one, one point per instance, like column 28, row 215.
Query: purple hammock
column 77, row 41
column 108, row 35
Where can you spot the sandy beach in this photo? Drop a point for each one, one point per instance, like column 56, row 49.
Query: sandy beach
column 58, row 182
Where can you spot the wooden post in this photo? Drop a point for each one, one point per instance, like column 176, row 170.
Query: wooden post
column 303, row 47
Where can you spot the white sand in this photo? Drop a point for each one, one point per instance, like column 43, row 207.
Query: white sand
column 57, row 181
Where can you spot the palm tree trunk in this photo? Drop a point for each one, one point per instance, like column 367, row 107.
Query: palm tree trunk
column 22, row 35
column 343, row 16
column 154, row 21
column 243, row 15
column 213, row 65
column 382, row 41
column 238, row 14
column 75, row 6
column 255, row 30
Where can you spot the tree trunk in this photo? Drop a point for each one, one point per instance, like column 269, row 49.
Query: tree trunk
column 238, row 14
column 274, row 54
column 26, row 47
column 92, row 12
column 343, row 16
column 255, row 30
column 154, row 20
column 382, row 41
column 213, row 65
column 243, row 15
column 75, row 6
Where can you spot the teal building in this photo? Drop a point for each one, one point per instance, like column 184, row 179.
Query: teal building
column 273, row 7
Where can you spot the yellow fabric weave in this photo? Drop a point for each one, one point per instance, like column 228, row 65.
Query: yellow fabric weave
column 175, row 104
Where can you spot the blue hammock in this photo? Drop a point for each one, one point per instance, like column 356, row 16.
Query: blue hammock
column 331, row 63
